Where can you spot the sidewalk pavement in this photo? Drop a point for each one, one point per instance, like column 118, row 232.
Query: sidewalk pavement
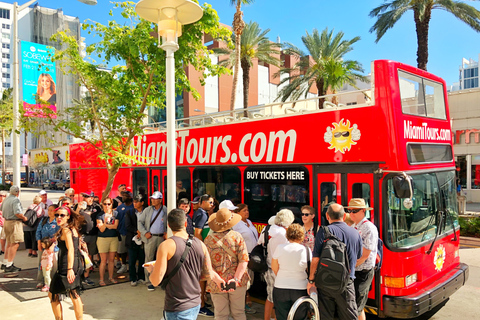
column 112, row 302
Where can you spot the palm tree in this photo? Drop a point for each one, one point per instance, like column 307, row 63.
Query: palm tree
column 389, row 13
column 254, row 45
column 238, row 26
column 323, row 66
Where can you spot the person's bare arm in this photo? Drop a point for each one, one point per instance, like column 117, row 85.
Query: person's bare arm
column 365, row 254
column 275, row 266
column 101, row 226
column 198, row 234
column 165, row 251
column 313, row 269
column 113, row 226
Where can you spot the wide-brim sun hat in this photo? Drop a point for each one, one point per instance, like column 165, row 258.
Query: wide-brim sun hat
column 223, row 220
column 358, row 203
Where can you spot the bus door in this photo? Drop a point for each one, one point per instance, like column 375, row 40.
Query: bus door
column 328, row 191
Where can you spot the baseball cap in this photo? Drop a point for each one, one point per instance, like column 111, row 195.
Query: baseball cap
column 156, row 195
column 41, row 193
column 88, row 193
column 196, row 199
column 227, row 204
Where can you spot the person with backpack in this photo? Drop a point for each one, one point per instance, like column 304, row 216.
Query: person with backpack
column 365, row 267
column 29, row 231
column 333, row 277
column 276, row 235
column 178, row 268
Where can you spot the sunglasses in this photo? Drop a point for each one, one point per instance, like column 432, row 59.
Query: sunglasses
column 60, row 215
column 305, row 214
column 353, row 210
column 107, row 204
column 339, row 134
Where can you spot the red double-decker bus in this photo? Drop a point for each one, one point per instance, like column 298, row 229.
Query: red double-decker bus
column 395, row 151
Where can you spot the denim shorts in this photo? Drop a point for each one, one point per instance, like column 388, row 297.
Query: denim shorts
column 189, row 314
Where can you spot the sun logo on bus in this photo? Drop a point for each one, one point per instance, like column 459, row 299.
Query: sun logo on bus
column 342, row 137
column 439, row 258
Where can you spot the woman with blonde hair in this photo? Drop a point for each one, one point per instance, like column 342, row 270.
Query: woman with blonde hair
column 46, row 90
column 67, row 281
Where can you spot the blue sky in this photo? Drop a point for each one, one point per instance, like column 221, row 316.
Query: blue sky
column 449, row 39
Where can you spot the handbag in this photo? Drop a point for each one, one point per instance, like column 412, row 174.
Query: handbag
column 258, row 256
column 169, row 277
column 32, row 218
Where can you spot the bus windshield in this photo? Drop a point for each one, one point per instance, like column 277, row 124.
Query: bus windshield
column 433, row 196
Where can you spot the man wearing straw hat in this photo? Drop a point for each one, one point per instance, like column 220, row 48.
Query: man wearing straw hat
column 365, row 266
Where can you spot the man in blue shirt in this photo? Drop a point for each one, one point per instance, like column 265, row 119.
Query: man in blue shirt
column 344, row 302
column 126, row 207
column 200, row 217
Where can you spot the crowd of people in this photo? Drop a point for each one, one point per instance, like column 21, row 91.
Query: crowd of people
column 212, row 240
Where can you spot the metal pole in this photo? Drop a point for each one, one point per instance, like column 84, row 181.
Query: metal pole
column 16, row 87
column 16, row 116
column 170, row 49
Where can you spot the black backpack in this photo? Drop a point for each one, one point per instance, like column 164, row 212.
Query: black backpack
column 32, row 219
column 258, row 256
column 333, row 272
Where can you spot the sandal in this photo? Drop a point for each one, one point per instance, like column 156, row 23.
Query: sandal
column 112, row 280
column 102, row 283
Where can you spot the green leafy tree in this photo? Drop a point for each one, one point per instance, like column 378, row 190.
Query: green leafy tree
column 254, row 45
column 238, row 26
column 322, row 66
column 6, row 123
column 115, row 106
column 390, row 12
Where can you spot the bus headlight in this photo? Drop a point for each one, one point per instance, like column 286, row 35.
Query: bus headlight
column 400, row 282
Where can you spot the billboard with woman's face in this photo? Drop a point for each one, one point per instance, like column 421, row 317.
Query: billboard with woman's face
column 38, row 79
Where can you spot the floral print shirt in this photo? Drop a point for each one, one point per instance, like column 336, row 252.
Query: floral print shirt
column 309, row 240
column 227, row 249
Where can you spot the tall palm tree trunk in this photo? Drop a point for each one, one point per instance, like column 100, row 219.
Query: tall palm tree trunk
column 238, row 26
column 321, row 92
column 3, row 156
column 421, row 27
column 246, row 83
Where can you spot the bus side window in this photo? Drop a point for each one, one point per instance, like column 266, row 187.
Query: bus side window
column 222, row 183
column 362, row 190
column 140, row 182
column 328, row 195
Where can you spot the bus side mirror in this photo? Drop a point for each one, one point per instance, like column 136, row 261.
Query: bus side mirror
column 402, row 186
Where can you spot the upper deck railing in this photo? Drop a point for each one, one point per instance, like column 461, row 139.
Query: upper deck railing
column 268, row 111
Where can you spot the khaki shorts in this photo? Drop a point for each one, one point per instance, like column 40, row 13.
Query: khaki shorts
column 121, row 245
column 13, row 231
column 108, row 244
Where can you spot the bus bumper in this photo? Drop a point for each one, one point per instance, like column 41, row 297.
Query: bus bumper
column 411, row 306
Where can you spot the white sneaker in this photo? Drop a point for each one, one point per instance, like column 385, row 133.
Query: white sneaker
column 118, row 264
column 133, row 283
column 123, row 269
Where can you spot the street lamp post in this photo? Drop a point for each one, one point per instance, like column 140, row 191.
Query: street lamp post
column 16, row 87
column 16, row 83
column 170, row 15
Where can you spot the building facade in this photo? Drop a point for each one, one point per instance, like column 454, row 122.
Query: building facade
column 465, row 115
column 37, row 24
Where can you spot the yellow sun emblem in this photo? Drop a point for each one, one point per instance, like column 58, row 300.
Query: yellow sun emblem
column 342, row 137
column 439, row 258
